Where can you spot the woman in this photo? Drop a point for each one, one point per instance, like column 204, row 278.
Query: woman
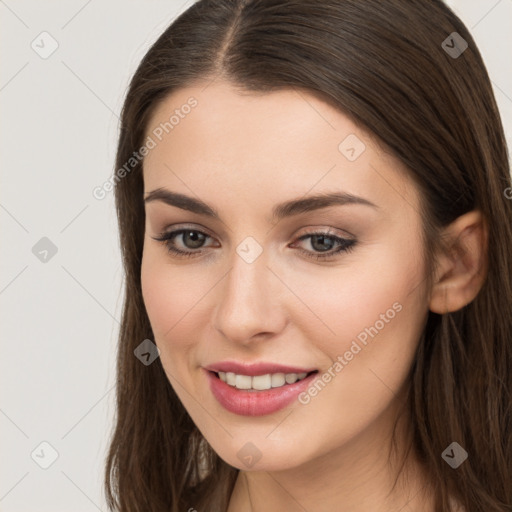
column 312, row 199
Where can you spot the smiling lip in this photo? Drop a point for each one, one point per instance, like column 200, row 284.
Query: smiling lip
column 252, row 402
column 255, row 369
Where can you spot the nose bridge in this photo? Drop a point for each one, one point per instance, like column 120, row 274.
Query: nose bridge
column 247, row 303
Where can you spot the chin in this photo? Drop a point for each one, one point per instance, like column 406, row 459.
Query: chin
column 257, row 453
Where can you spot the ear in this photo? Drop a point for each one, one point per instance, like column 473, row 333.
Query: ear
column 461, row 265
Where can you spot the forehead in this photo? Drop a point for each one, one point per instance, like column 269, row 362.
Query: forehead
column 214, row 140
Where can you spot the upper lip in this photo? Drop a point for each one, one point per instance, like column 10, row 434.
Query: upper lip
column 254, row 369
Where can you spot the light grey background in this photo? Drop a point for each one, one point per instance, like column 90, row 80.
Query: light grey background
column 60, row 317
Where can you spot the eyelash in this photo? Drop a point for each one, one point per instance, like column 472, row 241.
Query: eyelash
column 345, row 245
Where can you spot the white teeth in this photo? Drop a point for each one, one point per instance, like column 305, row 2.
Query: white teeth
column 260, row 382
column 243, row 382
column 291, row 378
column 278, row 380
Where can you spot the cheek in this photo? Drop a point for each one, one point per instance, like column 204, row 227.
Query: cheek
column 369, row 316
column 377, row 312
column 173, row 300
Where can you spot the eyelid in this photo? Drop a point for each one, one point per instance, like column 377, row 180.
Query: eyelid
column 193, row 227
column 335, row 232
column 315, row 229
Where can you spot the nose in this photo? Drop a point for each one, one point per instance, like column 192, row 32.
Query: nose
column 250, row 302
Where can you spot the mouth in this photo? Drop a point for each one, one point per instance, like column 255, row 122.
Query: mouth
column 261, row 382
column 260, row 394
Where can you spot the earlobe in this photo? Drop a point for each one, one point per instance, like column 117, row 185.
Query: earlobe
column 461, row 267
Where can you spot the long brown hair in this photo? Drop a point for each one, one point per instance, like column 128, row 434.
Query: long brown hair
column 384, row 64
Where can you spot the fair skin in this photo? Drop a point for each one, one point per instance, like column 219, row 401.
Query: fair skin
column 242, row 154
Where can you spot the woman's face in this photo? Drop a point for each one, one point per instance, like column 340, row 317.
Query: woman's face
column 251, row 306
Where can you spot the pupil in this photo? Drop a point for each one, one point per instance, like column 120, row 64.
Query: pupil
column 197, row 239
column 321, row 239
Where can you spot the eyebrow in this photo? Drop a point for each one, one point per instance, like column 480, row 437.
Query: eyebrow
column 280, row 211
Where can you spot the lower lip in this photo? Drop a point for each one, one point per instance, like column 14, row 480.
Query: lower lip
column 256, row 403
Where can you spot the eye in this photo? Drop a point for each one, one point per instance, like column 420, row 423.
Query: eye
column 192, row 241
column 190, row 238
column 324, row 241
